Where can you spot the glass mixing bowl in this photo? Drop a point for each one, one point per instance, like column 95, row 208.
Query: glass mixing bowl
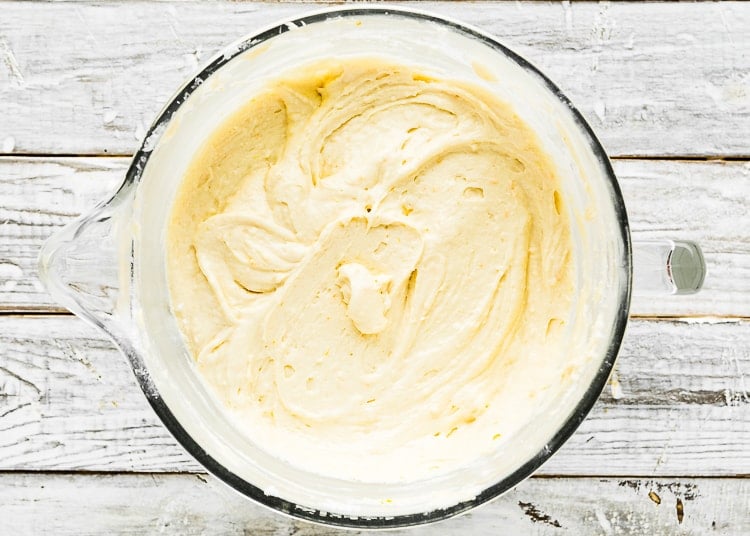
column 109, row 266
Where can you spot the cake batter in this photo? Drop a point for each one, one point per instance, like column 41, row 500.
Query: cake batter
column 372, row 269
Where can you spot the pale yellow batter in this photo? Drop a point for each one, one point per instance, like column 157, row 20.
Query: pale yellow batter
column 372, row 268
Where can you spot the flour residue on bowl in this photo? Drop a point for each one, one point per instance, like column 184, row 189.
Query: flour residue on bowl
column 372, row 268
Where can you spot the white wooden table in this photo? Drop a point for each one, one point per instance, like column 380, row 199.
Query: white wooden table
column 666, row 450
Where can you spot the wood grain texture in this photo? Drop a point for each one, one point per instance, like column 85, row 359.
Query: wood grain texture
column 39, row 196
column 679, row 406
column 196, row 504
column 88, row 78
column 704, row 201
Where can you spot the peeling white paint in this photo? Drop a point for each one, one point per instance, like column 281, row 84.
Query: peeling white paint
column 615, row 386
column 568, row 15
column 9, row 144
column 713, row 92
column 600, row 110
column 9, row 286
column 10, row 271
column 109, row 117
column 708, row 320
column 9, row 58
column 140, row 131
column 192, row 59
column 630, row 43
column 690, row 38
column 603, row 521
column 742, row 394
column 10, row 387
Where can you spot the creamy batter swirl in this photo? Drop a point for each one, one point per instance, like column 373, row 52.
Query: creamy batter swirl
column 372, row 269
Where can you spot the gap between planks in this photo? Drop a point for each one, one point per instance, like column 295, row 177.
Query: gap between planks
column 687, row 318
column 544, row 476
column 668, row 158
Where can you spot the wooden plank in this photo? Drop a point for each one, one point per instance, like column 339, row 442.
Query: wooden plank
column 88, row 78
column 705, row 201
column 196, row 504
column 680, row 404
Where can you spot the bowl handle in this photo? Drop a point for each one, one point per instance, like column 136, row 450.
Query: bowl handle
column 667, row 267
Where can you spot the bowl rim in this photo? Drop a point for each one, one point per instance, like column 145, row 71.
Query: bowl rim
column 581, row 410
